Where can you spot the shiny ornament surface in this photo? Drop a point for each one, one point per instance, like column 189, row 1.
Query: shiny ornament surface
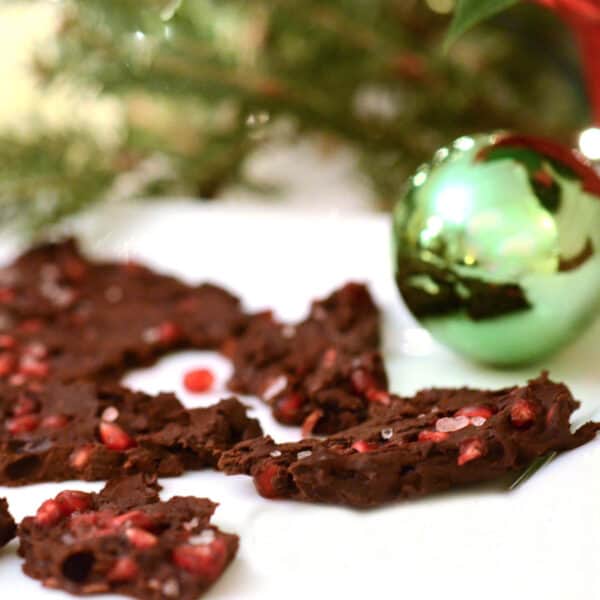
column 496, row 247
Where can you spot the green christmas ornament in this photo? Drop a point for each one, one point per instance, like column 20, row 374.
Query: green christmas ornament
column 496, row 246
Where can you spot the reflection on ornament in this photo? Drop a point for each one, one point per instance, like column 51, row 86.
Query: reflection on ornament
column 497, row 246
column 589, row 143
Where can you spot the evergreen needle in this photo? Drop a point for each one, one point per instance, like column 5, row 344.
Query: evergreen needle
column 533, row 468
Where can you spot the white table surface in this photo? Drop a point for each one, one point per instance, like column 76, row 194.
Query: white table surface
column 539, row 541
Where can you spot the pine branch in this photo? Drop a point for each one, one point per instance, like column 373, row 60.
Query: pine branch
column 192, row 75
column 46, row 179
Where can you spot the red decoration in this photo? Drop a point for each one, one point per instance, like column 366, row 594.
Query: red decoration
column 570, row 158
column 198, row 380
column 583, row 16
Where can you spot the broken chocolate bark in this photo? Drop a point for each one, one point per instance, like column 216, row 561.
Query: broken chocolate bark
column 125, row 540
column 93, row 431
column 65, row 317
column 324, row 372
column 8, row 528
column 437, row 440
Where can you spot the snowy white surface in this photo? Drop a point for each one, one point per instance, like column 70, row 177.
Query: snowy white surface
column 540, row 541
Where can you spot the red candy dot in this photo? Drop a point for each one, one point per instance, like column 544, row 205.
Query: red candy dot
column 81, row 457
column 135, row 518
column 6, row 295
column 362, row 446
column 115, row 437
column 7, row 341
column 24, row 405
column 71, row 501
column 23, row 424
column 140, row 538
column 198, row 380
column 470, row 450
column 54, row 422
column 475, row 411
column 433, row 436
column 7, row 364
column 311, row 422
column 169, row 332
column 206, row 560
column 289, row 407
column 266, row 479
column 33, row 367
column 124, row 569
column 49, row 513
column 522, row 413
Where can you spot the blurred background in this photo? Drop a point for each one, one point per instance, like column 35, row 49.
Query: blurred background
column 313, row 104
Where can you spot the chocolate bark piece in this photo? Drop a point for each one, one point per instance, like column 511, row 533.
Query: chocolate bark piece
column 8, row 529
column 125, row 540
column 66, row 317
column 91, row 431
column 441, row 438
column 323, row 372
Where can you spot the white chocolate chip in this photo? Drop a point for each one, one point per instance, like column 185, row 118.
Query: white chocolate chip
column 171, row 588
column 275, row 387
column 203, row 538
column 451, row 424
column 192, row 524
column 110, row 414
column 387, row 434
column 151, row 335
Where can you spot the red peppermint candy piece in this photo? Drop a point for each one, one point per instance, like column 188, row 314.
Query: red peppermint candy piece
column 311, row 422
column 205, row 560
column 140, row 538
column 475, row 411
column 266, row 478
column 24, row 424
column 135, row 518
column 362, row 446
column 198, row 380
column 81, row 457
column 49, row 513
column 7, row 341
column 433, row 436
column 522, row 413
column 124, row 569
column 470, row 450
column 115, row 437
column 71, row 501
column 288, row 409
column 54, row 422
column 8, row 364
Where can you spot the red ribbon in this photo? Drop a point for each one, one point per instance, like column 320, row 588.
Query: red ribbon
column 573, row 159
column 583, row 16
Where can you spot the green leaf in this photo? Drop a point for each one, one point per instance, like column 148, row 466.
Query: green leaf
column 470, row 12
column 535, row 466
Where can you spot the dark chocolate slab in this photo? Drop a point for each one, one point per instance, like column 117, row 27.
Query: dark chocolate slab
column 437, row 440
column 125, row 540
column 93, row 431
column 324, row 372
